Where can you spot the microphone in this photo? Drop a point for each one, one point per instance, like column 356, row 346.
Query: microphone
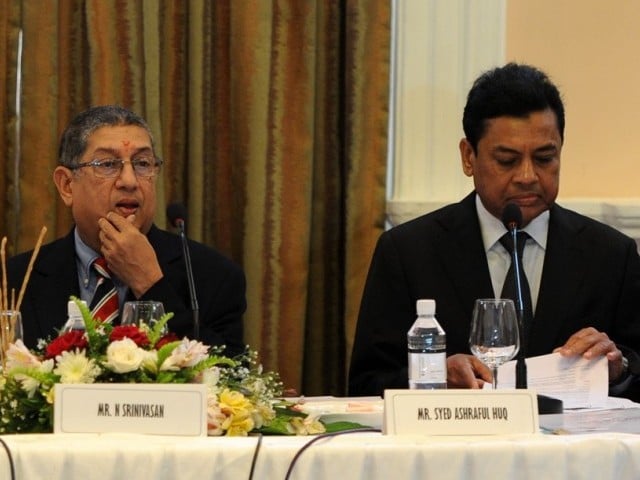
column 512, row 220
column 177, row 215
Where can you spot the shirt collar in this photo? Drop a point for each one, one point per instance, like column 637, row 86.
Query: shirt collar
column 86, row 255
column 492, row 228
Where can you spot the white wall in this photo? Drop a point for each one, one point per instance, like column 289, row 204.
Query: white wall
column 589, row 50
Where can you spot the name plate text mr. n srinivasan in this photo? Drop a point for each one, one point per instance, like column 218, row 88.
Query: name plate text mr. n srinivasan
column 160, row 409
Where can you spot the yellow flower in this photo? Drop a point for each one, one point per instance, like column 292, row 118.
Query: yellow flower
column 305, row 426
column 240, row 427
column 50, row 396
column 238, row 410
column 234, row 403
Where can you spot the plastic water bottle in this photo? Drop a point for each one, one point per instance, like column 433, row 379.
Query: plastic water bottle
column 427, row 344
column 74, row 320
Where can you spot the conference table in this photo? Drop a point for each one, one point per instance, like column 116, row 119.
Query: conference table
column 354, row 455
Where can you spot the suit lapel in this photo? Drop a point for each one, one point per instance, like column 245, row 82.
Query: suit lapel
column 466, row 260
column 54, row 279
column 562, row 274
column 167, row 246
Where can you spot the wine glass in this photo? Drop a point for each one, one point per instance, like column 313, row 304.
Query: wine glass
column 494, row 338
column 10, row 326
column 142, row 312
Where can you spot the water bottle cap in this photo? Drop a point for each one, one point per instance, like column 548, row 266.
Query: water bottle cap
column 426, row 307
column 73, row 310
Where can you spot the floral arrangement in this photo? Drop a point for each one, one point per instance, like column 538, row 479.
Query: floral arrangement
column 241, row 397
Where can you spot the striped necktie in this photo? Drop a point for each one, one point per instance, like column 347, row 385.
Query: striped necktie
column 104, row 305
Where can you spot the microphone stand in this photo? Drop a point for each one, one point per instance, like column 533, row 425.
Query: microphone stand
column 546, row 405
column 521, row 365
column 192, row 287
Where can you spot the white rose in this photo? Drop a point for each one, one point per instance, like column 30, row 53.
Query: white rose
column 124, row 356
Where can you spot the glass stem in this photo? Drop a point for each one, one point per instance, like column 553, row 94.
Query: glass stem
column 494, row 381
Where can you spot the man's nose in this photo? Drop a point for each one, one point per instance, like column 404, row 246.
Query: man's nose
column 127, row 175
column 526, row 171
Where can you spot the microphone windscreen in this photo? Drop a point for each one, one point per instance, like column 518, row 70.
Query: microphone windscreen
column 512, row 216
column 176, row 212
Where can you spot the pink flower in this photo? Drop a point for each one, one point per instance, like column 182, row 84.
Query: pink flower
column 19, row 356
column 215, row 417
column 187, row 354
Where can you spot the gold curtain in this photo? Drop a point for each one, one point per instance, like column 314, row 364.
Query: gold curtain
column 271, row 117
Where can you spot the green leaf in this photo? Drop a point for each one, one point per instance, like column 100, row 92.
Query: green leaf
column 165, row 351
column 342, row 426
column 285, row 410
column 156, row 332
column 278, row 426
column 97, row 341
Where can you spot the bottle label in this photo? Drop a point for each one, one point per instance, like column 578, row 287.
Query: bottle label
column 428, row 367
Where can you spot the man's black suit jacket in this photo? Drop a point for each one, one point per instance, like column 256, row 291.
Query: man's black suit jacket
column 220, row 289
column 591, row 277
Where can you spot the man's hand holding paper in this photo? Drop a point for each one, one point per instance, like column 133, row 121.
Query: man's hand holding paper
column 577, row 381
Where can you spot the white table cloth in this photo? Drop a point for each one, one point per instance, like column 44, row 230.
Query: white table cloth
column 351, row 456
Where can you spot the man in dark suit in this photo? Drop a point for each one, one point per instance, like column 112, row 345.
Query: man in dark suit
column 107, row 175
column 584, row 276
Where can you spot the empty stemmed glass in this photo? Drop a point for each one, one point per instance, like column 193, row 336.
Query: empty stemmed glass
column 494, row 338
column 142, row 312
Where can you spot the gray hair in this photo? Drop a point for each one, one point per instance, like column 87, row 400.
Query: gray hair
column 73, row 142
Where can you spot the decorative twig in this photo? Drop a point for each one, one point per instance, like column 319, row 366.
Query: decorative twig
column 3, row 303
column 9, row 312
column 43, row 232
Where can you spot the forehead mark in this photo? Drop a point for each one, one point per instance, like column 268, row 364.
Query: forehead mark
column 126, row 143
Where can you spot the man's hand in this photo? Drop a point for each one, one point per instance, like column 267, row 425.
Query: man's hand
column 466, row 371
column 128, row 252
column 590, row 343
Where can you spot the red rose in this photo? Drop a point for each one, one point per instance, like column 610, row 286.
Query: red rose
column 168, row 338
column 65, row 342
column 129, row 331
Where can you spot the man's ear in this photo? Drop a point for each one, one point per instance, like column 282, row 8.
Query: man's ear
column 62, row 177
column 467, row 156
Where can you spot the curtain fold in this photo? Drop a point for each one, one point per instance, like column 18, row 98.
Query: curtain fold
column 9, row 28
column 271, row 118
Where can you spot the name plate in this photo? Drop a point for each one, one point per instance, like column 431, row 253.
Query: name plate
column 460, row 412
column 160, row 409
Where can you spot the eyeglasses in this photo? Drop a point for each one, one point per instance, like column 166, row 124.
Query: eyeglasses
column 111, row 167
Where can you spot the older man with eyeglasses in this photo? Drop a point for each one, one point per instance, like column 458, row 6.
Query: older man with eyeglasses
column 107, row 176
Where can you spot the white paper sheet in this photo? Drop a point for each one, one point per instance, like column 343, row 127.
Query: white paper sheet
column 578, row 382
